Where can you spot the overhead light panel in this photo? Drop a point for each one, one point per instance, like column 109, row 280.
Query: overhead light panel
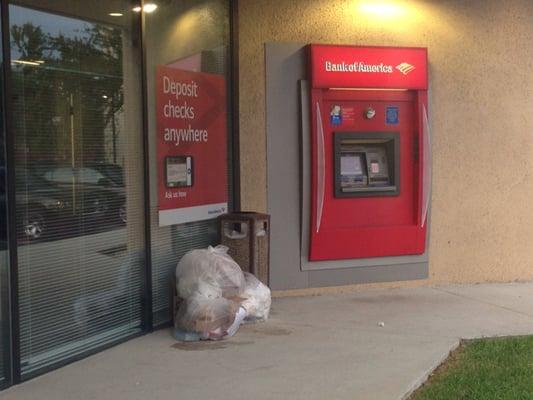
column 115, row 14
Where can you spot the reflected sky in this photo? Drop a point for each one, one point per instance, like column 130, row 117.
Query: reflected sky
column 51, row 24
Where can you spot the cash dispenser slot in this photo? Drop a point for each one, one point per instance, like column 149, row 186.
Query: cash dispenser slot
column 367, row 164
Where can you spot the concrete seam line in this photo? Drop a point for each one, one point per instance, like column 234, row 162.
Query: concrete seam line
column 425, row 376
column 485, row 302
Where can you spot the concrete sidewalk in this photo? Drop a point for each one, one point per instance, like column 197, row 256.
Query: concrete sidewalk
column 321, row 347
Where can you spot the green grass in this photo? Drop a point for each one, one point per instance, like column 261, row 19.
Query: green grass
column 488, row 369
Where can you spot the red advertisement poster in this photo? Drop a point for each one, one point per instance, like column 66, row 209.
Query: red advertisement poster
column 191, row 145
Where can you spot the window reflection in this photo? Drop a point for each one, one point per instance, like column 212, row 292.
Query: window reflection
column 79, row 187
column 67, row 77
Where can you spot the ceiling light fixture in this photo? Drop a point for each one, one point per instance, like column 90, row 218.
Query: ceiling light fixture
column 24, row 62
column 382, row 9
column 147, row 8
column 115, row 14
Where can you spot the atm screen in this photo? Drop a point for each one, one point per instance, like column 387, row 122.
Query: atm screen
column 178, row 171
column 351, row 164
column 353, row 171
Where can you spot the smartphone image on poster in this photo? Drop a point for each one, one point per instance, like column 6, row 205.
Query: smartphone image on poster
column 178, row 171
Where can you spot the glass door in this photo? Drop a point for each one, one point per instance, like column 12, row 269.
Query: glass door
column 77, row 122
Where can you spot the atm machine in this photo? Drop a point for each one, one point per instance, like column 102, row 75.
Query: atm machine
column 370, row 167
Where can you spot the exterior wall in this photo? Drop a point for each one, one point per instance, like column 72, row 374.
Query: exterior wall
column 481, row 95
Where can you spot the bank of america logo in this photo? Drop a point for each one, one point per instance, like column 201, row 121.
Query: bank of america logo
column 405, row 68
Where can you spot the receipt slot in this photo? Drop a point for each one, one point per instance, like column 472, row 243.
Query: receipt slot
column 369, row 152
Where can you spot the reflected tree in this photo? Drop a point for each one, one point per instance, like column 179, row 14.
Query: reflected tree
column 68, row 88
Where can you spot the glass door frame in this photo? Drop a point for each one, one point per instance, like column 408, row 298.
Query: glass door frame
column 14, row 365
column 13, row 351
column 14, row 354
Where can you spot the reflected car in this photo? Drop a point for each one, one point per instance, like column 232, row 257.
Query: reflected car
column 59, row 204
column 45, row 207
column 39, row 204
column 112, row 171
column 91, row 179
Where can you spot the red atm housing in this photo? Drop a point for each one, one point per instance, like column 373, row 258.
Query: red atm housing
column 368, row 125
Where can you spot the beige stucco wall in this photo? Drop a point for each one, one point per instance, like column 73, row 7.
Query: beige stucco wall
column 481, row 69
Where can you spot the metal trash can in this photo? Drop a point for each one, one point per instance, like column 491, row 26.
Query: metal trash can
column 247, row 235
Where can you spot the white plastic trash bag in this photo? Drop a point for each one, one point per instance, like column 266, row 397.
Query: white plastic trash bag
column 209, row 318
column 210, row 273
column 257, row 299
